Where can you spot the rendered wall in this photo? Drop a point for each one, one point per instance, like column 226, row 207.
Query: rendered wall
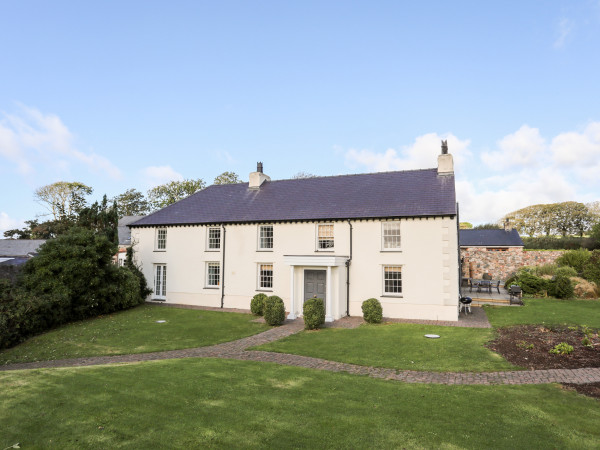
column 428, row 256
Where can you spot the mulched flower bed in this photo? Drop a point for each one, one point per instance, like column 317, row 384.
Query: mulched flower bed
column 529, row 346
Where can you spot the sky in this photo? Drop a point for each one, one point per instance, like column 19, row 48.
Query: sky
column 132, row 94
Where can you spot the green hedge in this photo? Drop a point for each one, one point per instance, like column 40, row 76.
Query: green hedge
column 372, row 311
column 559, row 243
column 274, row 310
column 257, row 304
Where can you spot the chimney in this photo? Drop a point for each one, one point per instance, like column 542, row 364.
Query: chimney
column 257, row 178
column 507, row 225
column 445, row 162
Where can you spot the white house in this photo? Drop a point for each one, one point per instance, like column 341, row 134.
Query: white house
column 391, row 235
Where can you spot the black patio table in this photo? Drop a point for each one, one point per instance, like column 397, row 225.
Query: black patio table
column 481, row 284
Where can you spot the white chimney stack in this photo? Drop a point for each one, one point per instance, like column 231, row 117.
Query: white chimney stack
column 445, row 162
column 257, row 178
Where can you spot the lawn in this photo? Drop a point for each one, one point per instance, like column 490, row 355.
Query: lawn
column 135, row 331
column 399, row 346
column 221, row 403
column 547, row 311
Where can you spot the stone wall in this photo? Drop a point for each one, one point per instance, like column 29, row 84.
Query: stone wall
column 477, row 261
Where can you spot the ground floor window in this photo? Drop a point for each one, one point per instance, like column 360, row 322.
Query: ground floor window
column 265, row 276
column 213, row 274
column 160, row 281
column 392, row 280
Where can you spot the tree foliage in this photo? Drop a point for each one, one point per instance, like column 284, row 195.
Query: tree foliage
column 565, row 219
column 301, row 175
column 466, row 225
column 227, row 178
column 101, row 218
column 487, row 226
column 169, row 193
column 131, row 203
column 63, row 199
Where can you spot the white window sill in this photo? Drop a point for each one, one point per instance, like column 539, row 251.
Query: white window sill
column 393, row 295
column 159, row 251
column 391, row 250
column 264, row 290
column 264, row 250
column 212, row 287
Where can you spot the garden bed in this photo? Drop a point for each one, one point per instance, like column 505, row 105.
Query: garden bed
column 530, row 345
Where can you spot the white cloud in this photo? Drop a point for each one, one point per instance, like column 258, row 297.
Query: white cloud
column 34, row 141
column 564, row 30
column 8, row 223
column 578, row 149
column 155, row 175
column 519, row 149
column 421, row 154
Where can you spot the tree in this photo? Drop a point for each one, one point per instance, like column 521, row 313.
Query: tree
column 227, row 178
column 301, row 175
column 566, row 218
column 131, row 203
column 63, row 199
column 169, row 193
column 466, row 225
column 101, row 219
column 487, row 226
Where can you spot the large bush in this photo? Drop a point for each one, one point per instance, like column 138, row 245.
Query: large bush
column 372, row 311
column 530, row 284
column 559, row 243
column 257, row 304
column 314, row 313
column 575, row 259
column 274, row 310
column 591, row 269
column 561, row 287
column 79, row 265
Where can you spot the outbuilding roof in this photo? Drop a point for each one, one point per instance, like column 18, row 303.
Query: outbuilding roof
column 19, row 247
column 412, row 193
column 490, row 238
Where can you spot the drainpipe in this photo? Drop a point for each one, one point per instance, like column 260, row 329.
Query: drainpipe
column 223, row 270
column 458, row 245
column 348, row 274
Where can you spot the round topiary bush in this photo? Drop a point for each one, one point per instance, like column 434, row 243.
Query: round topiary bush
column 314, row 313
column 273, row 310
column 372, row 311
column 257, row 304
column 561, row 287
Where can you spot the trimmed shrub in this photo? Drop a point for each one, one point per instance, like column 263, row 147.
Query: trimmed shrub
column 565, row 271
column 575, row 259
column 560, row 287
column 529, row 283
column 314, row 313
column 372, row 311
column 274, row 310
column 257, row 304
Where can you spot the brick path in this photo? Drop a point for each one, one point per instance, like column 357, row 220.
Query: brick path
column 237, row 350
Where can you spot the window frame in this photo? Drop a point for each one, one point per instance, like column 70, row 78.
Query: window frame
column 259, row 276
column 207, row 275
column 158, row 240
column 383, row 236
column 383, row 279
column 260, row 237
column 317, row 240
column 160, row 282
column 208, row 239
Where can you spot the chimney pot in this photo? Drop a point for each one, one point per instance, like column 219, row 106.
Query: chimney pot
column 445, row 147
column 259, row 167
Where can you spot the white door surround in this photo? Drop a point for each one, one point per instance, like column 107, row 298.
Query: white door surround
column 309, row 261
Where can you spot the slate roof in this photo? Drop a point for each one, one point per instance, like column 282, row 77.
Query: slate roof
column 124, row 231
column 412, row 193
column 19, row 247
column 489, row 238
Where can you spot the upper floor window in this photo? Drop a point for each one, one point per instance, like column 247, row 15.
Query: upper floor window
column 265, row 276
column 324, row 237
column 390, row 233
column 392, row 280
column 265, row 237
column 214, row 238
column 161, row 239
column 213, row 274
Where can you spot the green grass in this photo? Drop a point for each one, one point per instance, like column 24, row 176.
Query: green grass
column 135, row 331
column 399, row 346
column 546, row 311
column 197, row 403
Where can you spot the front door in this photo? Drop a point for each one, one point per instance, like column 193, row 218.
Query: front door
column 314, row 284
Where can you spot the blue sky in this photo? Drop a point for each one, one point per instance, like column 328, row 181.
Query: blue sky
column 132, row 94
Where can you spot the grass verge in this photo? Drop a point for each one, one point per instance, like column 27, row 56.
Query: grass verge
column 547, row 311
column 135, row 331
column 197, row 403
column 398, row 346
